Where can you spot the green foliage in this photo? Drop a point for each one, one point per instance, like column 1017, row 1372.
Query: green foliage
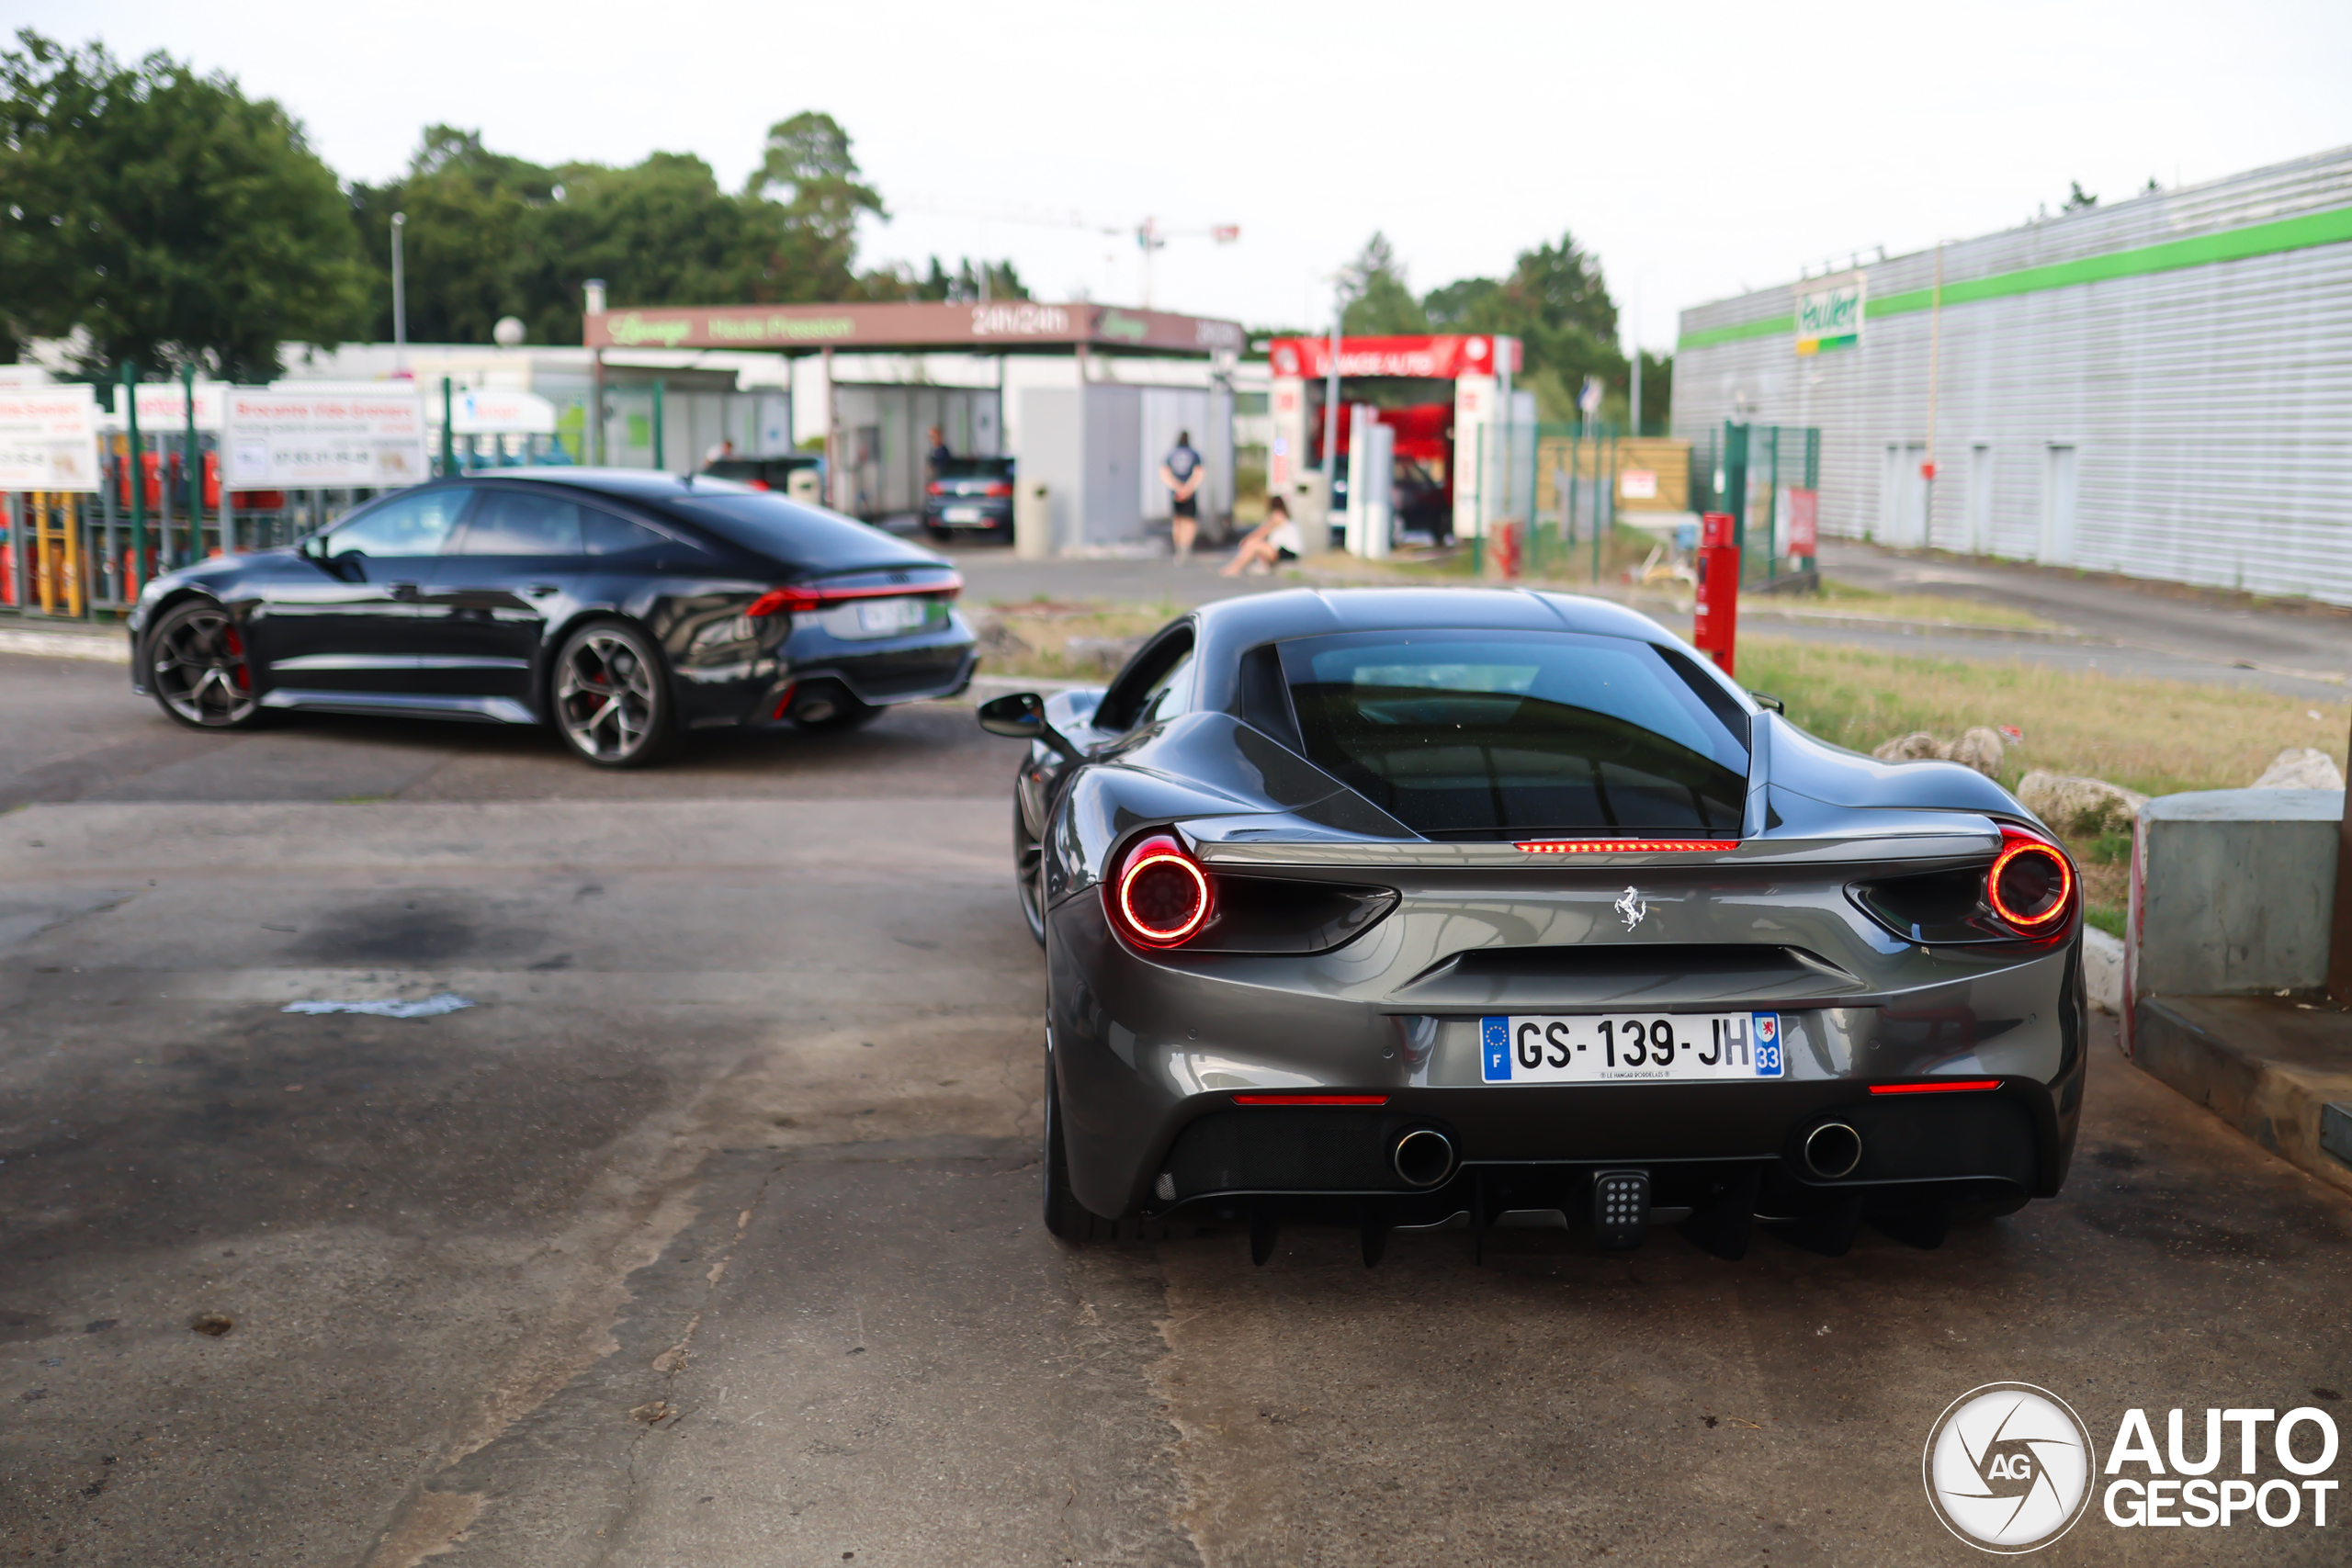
column 958, row 288
column 1556, row 303
column 1382, row 305
column 2077, row 199
column 490, row 235
column 164, row 214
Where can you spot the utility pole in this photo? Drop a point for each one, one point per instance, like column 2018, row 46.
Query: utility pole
column 399, row 297
column 1331, row 405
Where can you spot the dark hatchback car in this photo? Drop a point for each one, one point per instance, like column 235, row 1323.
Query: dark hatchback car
column 622, row 607
column 969, row 495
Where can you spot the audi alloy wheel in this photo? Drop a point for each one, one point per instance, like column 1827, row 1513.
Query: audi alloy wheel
column 612, row 698
column 200, row 671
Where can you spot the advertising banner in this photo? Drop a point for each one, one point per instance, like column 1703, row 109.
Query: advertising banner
column 312, row 441
column 163, row 409
column 48, row 438
column 1011, row 323
column 1830, row 313
column 1443, row 356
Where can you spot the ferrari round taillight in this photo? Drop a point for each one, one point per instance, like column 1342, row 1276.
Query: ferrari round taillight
column 1162, row 897
column 2030, row 885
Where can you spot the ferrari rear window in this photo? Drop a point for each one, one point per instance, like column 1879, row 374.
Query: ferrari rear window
column 1480, row 734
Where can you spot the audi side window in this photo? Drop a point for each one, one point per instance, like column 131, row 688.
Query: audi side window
column 417, row 524
column 519, row 522
column 609, row 535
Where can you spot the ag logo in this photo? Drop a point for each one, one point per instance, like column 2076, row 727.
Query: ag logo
column 2008, row 1468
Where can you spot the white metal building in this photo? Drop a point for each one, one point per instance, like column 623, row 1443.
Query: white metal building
column 2161, row 387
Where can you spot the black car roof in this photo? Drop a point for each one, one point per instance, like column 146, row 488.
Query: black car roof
column 635, row 484
column 1230, row 627
column 1308, row 612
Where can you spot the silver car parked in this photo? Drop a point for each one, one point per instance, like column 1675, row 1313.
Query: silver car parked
column 1384, row 907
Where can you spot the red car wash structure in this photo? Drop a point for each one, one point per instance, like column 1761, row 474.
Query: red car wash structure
column 1436, row 395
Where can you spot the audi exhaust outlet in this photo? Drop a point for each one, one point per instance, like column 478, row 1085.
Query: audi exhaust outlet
column 1832, row 1150
column 1424, row 1157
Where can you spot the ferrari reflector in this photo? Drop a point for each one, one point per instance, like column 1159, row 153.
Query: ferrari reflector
column 1311, row 1100
column 1954, row 1086
column 1625, row 846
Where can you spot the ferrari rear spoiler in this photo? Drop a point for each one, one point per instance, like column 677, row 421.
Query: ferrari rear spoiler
column 1257, row 841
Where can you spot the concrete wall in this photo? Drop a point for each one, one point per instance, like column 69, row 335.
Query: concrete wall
column 2232, row 892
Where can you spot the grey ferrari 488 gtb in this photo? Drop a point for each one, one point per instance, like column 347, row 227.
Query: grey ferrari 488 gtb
column 1385, row 907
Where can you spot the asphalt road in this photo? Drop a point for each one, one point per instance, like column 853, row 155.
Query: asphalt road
column 708, row 1234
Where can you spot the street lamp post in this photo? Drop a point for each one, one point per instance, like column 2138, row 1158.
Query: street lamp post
column 400, row 296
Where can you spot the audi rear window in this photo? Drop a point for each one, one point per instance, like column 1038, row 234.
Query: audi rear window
column 1478, row 734
column 802, row 537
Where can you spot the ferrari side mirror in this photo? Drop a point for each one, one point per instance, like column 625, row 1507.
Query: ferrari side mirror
column 1022, row 717
column 1767, row 700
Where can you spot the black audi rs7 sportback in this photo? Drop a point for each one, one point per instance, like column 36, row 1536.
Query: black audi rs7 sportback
column 621, row 607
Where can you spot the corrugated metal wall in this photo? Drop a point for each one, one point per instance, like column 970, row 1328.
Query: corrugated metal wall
column 2199, row 420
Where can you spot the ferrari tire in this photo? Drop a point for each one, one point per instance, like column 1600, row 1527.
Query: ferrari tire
column 1067, row 1221
column 1029, row 875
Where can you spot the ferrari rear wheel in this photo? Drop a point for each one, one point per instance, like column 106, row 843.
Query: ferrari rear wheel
column 1067, row 1219
column 1029, row 875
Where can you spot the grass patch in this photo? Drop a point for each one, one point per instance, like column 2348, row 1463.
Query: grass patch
column 2156, row 737
column 1844, row 599
column 1034, row 638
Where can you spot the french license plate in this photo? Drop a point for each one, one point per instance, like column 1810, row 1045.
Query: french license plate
column 1637, row 1047
column 962, row 515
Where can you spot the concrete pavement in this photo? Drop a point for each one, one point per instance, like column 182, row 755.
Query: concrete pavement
column 709, row 1234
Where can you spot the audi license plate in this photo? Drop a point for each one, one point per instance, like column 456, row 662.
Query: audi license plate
column 962, row 515
column 1634, row 1047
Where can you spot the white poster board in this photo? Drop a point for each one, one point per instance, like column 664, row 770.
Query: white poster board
column 495, row 412
column 48, row 438
column 279, row 440
column 163, row 409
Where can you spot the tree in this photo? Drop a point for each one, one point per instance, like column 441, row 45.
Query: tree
column 1555, row 302
column 165, row 215
column 491, row 235
column 898, row 281
column 1381, row 306
column 2077, row 198
column 808, row 174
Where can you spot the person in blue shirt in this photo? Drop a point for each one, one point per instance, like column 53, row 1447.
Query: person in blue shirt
column 1183, row 473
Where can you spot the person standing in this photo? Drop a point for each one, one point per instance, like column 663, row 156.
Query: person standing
column 1183, row 473
column 940, row 455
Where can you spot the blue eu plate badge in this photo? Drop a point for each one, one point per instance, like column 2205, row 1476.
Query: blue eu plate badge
column 1631, row 1048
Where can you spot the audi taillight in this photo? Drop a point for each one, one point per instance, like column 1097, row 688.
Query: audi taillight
column 934, row 487
column 1160, row 896
column 999, row 490
column 796, row 597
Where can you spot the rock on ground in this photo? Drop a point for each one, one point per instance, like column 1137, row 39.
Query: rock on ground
column 2300, row 767
column 1979, row 748
column 2079, row 805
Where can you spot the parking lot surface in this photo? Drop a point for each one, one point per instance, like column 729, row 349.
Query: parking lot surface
column 708, row 1232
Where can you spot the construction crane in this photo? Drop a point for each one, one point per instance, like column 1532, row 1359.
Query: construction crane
column 1150, row 236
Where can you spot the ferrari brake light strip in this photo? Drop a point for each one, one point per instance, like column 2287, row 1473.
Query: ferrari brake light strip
column 1955, row 1086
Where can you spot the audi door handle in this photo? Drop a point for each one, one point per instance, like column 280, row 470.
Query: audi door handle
column 541, row 590
column 403, row 590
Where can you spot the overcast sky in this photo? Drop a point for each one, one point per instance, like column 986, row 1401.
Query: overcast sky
column 1696, row 149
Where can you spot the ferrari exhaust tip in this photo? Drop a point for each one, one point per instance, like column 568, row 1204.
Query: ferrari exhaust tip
column 1832, row 1150
column 1423, row 1157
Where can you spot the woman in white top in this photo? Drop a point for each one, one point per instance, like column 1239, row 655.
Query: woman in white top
column 1275, row 539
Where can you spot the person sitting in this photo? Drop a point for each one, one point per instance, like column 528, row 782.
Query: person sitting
column 1275, row 539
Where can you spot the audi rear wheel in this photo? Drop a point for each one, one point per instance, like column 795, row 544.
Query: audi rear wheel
column 612, row 696
column 199, row 671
